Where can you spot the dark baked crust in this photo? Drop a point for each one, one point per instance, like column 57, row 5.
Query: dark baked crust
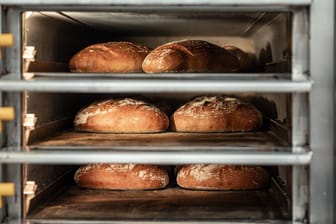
column 114, row 57
column 189, row 56
column 245, row 60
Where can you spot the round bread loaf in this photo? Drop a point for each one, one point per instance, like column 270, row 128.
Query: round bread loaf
column 109, row 57
column 216, row 114
column 222, row 177
column 245, row 61
column 121, row 116
column 189, row 56
column 121, row 177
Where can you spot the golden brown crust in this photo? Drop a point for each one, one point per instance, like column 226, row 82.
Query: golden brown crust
column 121, row 116
column 222, row 177
column 189, row 56
column 121, row 177
column 109, row 57
column 216, row 114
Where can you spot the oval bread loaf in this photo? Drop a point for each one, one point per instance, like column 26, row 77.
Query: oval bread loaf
column 121, row 177
column 189, row 56
column 121, row 116
column 245, row 61
column 113, row 57
column 222, row 177
column 216, row 114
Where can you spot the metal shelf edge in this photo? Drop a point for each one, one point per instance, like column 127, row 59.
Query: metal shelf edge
column 157, row 86
column 157, row 157
column 244, row 221
column 157, row 2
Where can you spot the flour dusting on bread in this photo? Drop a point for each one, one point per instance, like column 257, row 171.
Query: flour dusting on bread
column 108, row 106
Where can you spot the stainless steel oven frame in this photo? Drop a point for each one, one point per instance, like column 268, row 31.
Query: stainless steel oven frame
column 311, row 86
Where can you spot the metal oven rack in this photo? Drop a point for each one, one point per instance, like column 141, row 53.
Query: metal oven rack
column 311, row 86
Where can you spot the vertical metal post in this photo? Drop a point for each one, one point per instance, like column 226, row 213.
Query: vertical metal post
column 2, row 214
column 13, row 133
column 322, row 103
column 300, row 112
column 1, row 67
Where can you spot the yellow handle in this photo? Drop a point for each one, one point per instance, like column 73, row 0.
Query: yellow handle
column 6, row 40
column 7, row 113
column 6, row 189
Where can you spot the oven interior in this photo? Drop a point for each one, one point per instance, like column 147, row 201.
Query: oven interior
column 51, row 38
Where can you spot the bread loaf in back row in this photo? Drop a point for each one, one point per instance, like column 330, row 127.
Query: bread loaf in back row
column 190, row 56
column 121, row 116
column 121, row 176
column 245, row 59
column 216, row 114
column 114, row 57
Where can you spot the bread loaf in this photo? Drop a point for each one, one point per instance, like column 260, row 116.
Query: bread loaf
column 121, row 177
column 216, row 114
column 222, row 177
column 189, row 56
column 245, row 60
column 121, row 116
column 115, row 57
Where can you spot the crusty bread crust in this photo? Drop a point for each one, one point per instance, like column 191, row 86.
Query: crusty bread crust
column 216, row 114
column 121, row 116
column 222, row 177
column 113, row 57
column 121, row 177
column 189, row 56
column 245, row 60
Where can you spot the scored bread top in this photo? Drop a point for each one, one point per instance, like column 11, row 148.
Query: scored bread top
column 121, row 176
column 209, row 106
column 121, row 115
column 118, row 56
column 190, row 47
column 216, row 114
column 189, row 56
column 222, row 177
column 111, row 105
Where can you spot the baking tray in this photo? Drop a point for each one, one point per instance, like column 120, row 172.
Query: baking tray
column 170, row 204
column 168, row 140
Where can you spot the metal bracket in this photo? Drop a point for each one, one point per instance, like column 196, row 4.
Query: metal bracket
column 29, row 55
column 29, row 192
column 29, row 122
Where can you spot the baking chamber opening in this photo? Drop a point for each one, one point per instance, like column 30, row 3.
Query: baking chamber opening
column 58, row 196
column 56, row 117
column 50, row 39
column 65, row 121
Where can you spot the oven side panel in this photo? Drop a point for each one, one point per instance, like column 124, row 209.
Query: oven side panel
column 322, row 111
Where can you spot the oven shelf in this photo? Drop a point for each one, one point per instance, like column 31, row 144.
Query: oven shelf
column 170, row 204
column 70, row 147
column 69, row 155
column 164, row 76
column 159, row 85
column 264, row 141
column 273, row 3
